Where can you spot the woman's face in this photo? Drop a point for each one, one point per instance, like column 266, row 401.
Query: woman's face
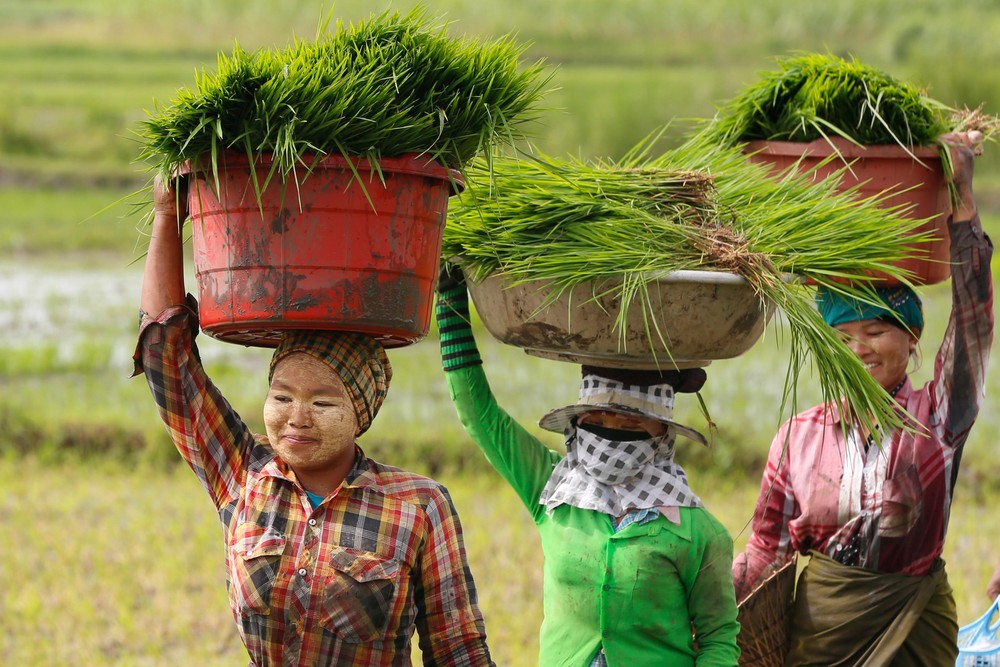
column 310, row 421
column 884, row 349
column 623, row 422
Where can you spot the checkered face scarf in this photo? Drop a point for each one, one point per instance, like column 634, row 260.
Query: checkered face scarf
column 359, row 360
column 614, row 477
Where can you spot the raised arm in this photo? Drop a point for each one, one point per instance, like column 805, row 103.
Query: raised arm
column 960, row 367
column 163, row 277
column 207, row 432
column 518, row 456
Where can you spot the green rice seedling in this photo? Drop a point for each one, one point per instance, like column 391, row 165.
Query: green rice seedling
column 698, row 206
column 813, row 96
column 384, row 87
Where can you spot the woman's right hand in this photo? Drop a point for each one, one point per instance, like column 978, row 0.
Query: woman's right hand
column 170, row 200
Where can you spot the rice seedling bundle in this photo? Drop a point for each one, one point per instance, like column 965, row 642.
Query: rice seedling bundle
column 818, row 96
column 700, row 206
column 385, row 87
column 813, row 96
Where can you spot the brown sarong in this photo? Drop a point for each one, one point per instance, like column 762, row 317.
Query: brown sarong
column 852, row 617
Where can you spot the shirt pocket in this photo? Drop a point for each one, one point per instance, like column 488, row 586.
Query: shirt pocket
column 254, row 562
column 359, row 595
column 901, row 503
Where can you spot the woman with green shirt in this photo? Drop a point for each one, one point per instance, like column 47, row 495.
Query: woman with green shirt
column 636, row 571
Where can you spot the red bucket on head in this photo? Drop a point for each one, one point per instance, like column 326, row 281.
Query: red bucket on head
column 326, row 248
column 916, row 177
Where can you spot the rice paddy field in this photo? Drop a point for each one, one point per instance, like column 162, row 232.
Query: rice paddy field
column 111, row 552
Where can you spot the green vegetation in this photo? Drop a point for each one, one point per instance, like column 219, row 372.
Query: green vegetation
column 815, row 96
column 387, row 86
column 618, row 225
column 131, row 574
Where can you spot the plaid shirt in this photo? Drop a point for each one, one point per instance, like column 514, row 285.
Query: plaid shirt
column 343, row 584
column 885, row 509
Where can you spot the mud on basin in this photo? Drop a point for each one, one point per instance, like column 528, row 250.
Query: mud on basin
column 695, row 317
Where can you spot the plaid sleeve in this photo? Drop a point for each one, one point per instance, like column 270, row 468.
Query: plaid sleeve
column 769, row 543
column 449, row 622
column 207, row 432
column 959, row 385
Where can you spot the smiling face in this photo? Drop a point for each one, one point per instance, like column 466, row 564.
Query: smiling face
column 883, row 348
column 310, row 422
column 623, row 422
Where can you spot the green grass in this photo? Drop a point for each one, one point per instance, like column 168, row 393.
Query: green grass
column 121, row 566
column 117, row 558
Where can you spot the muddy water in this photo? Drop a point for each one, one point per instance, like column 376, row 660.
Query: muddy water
column 69, row 309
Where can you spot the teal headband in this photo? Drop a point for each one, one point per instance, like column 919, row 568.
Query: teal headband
column 897, row 304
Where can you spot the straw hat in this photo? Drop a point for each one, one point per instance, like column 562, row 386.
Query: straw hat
column 654, row 401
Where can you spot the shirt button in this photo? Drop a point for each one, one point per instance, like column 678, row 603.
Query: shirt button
column 312, row 522
column 606, row 587
column 303, row 572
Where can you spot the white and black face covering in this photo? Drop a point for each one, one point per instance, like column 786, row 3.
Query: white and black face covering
column 614, row 460
column 616, row 476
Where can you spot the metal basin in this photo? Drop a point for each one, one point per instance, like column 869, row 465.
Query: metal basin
column 696, row 317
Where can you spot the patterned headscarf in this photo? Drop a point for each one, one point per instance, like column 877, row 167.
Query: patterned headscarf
column 896, row 304
column 359, row 360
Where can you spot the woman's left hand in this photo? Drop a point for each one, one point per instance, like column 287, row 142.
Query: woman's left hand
column 963, row 146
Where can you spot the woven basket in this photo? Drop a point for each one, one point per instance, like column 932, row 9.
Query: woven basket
column 765, row 618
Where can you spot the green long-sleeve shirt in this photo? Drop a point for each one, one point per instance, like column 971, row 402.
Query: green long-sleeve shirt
column 636, row 592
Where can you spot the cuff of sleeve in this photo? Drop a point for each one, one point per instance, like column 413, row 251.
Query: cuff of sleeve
column 458, row 345
column 188, row 310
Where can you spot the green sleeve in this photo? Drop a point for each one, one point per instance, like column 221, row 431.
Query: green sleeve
column 711, row 597
column 520, row 458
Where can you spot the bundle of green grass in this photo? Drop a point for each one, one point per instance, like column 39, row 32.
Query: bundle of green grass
column 700, row 206
column 814, row 96
column 385, row 87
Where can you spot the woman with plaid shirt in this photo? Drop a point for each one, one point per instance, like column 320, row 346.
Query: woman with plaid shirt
column 871, row 509
column 332, row 558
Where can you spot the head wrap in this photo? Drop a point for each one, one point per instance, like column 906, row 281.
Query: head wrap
column 897, row 304
column 359, row 360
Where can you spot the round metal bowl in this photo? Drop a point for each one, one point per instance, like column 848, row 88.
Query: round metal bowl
column 692, row 319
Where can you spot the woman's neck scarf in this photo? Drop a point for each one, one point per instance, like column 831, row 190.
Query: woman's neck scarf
column 614, row 476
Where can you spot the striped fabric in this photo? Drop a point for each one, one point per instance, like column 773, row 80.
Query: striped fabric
column 458, row 347
column 346, row 583
column 886, row 509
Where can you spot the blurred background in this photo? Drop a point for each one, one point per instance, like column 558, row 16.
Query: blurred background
column 112, row 552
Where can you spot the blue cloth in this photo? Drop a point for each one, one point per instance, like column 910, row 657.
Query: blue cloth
column 314, row 499
column 892, row 302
